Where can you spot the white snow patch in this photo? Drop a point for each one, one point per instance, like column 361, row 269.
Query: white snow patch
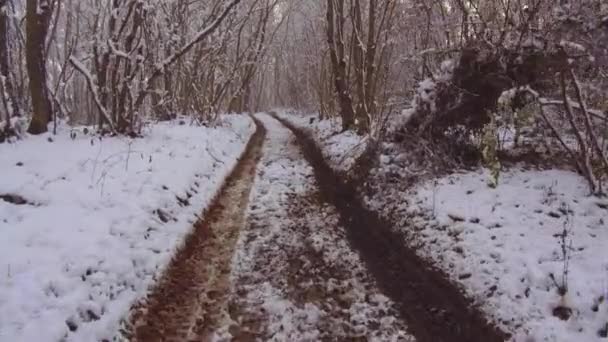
column 509, row 244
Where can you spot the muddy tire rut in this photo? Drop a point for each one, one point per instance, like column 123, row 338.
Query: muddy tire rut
column 190, row 299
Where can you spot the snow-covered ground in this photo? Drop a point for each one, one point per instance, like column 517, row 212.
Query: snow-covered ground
column 102, row 219
column 504, row 245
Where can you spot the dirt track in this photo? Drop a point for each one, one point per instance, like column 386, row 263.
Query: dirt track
column 190, row 299
column 299, row 259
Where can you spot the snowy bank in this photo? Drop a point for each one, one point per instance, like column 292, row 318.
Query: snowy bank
column 102, row 218
column 506, row 246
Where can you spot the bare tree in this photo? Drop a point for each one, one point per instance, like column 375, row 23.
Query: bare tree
column 335, row 39
column 38, row 18
column 7, row 91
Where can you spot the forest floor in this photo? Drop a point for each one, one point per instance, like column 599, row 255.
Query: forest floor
column 288, row 253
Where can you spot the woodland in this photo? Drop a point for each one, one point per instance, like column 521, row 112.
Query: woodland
column 457, row 149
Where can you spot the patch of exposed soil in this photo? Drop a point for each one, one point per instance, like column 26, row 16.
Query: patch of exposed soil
column 190, row 299
column 13, row 199
column 434, row 308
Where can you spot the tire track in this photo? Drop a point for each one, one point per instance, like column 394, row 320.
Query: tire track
column 191, row 298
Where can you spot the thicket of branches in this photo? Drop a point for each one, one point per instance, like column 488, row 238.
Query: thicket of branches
column 115, row 63
column 463, row 72
column 536, row 70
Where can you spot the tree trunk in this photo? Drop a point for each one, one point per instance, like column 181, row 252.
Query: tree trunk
column 370, row 68
column 38, row 16
column 362, row 111
column 336, row 51
column 7, row 90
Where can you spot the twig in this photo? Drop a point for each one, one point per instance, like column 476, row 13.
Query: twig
column 212, row 156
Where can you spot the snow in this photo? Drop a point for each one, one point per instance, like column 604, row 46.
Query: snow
column 502, row 245
column 506, row 244
column 93, row 236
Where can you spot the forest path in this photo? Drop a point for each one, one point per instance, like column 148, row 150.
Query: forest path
column 288, row 253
